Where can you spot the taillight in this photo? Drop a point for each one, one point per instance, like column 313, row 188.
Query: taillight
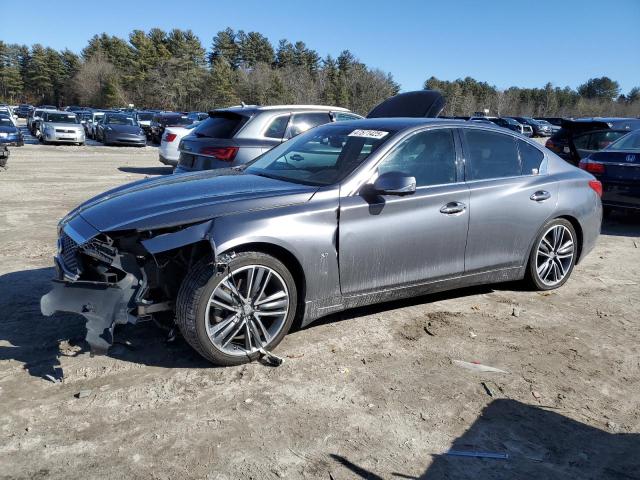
column 596, row 186
column 170, row 137
column 226, row 154
column 591, row 166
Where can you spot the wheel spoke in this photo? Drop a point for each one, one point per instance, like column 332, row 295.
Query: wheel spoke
column 255, row 333
column 559, row 237
column 545, row 243
column 561, row 267
column 235, row 333
column 271, row 305
column 224, row 327
column 225, row 296
column 566, row 248
column 273, row 313
column 543, row 268
column 247, row 337
column 249, row 282
column 263, row 287
column 257, row 283
column 265, row 334
column 223, row 305
column 232, row 287
column 272, row 297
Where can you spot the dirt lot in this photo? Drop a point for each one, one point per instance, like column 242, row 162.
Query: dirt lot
column 374, row 393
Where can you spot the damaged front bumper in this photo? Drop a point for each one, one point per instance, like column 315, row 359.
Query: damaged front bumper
column 102, row 305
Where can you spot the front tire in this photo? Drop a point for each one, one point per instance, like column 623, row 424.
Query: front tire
column 553, row 256
column 229, row 316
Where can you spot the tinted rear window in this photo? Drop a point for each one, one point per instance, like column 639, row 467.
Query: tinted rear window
column 172, row 121
column 220, row 125
column 491, row 155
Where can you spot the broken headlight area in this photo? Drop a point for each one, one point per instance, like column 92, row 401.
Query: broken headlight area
column 101, row 259
column 115, row 279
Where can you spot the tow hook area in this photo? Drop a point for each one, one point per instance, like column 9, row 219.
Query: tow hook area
column 101, row 305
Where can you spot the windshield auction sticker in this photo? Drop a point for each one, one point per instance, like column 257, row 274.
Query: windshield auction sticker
column 368, row 133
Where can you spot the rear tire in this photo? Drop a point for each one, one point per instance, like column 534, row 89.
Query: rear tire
column 553, row 255
column 218, row 333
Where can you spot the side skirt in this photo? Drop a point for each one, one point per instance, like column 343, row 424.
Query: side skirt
column 320, row 308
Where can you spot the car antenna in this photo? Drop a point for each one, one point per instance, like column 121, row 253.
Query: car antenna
column 243, row 104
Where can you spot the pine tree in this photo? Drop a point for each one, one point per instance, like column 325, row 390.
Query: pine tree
column 222, row 83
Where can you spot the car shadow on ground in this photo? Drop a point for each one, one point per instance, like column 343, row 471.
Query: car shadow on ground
column 540, row 443
column 34, row 340
column 622, row 224
column 147, row 170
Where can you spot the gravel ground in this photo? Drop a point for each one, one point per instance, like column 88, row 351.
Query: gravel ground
column 374, row 393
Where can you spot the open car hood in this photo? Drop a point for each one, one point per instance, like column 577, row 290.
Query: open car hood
column 421, row 104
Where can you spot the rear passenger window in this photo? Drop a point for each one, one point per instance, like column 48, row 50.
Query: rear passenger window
column 302, row 122
column 277, row 127
column 491, row 155
column 582, row 141
column 600, row 140
column 341, row 116
column 530, row 158
column 428, row 156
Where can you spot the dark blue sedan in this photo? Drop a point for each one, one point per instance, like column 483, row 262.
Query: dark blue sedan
column 9, row 133
column 618, row 169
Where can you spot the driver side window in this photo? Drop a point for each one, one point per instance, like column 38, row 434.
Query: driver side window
column 428, row 156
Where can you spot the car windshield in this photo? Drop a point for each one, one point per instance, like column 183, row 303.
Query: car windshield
column 144, row 116
column 4, row 121
column 62, row 118
column 119, row 120
column 323, row 156
column 630, row 141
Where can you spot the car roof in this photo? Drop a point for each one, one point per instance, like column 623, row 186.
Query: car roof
column 253, row 109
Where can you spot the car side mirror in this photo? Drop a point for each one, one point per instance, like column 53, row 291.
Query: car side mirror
column 394, row 183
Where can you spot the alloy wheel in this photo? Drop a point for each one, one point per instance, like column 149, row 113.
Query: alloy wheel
column 247, row 309
column 555, row 254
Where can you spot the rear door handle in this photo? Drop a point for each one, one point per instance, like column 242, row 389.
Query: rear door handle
column 452, row 208
column 540, row 196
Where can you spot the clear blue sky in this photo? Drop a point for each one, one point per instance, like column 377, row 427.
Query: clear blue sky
column 514, row 42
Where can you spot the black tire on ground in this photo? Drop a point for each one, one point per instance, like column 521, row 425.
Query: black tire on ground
column 194, row 295
column 532, row 276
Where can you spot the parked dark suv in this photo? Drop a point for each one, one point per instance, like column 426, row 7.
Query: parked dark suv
column 577, row 139
column 162, row 120
column 237, row 135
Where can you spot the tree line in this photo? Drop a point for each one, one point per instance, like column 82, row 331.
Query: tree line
column 175, row 71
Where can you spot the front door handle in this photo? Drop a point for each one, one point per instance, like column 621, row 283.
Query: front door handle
column 453, row 208
column 540, row 196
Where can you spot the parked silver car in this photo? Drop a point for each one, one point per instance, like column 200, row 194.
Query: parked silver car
column 61, row 127
column 234, row 136
column 344, row 215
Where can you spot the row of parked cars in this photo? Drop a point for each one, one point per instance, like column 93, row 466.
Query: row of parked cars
column 191, row 141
